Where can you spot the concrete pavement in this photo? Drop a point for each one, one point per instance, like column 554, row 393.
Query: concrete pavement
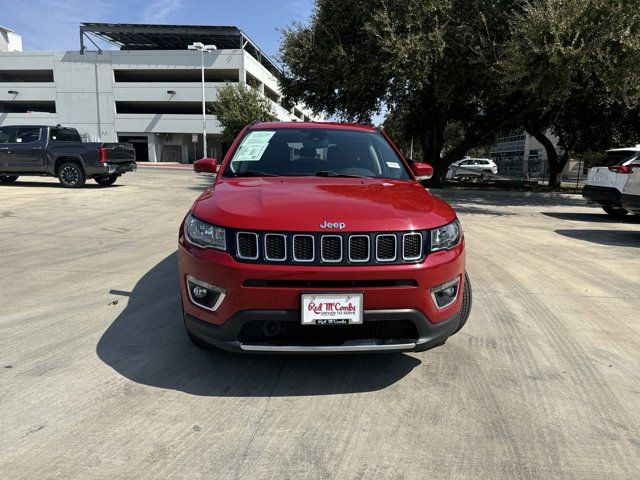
column 98, row 379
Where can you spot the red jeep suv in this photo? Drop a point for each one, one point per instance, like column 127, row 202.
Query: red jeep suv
column 318, row 237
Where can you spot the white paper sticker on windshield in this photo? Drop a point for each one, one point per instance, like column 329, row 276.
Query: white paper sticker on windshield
column 393, row 165
column 253, row 146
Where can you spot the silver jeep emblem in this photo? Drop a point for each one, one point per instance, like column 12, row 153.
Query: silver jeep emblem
column 338, row 225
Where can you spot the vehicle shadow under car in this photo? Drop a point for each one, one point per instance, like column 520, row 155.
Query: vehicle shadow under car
column 147, row 343
column 612, row 238
column 598, row 216
column 55, row 184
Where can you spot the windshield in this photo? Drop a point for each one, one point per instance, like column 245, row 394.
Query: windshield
column 616, row 159
column 316, row 151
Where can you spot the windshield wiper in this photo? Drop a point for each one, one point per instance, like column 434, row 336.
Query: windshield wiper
column 329, row 173
column 254, row 173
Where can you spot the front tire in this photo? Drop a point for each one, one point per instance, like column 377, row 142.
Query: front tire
column 71, row 175
column 467, row 299
column 106, row 180
column 8, row 178
column 615, row 211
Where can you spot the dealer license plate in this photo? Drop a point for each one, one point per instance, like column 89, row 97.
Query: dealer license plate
column 332, row 308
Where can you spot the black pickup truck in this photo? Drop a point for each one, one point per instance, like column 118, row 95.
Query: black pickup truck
column 60, row 152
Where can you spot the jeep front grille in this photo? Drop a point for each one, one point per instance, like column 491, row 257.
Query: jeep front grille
column 359, row 248
column 303, row 248
column 275, row 247
column 386, row 248
column 247, row 245
column 362, row 248
column 331, row 248
column 411, row 246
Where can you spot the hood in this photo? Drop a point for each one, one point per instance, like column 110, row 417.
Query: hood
column 302, row 204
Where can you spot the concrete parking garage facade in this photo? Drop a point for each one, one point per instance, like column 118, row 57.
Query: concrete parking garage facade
column 151, row 97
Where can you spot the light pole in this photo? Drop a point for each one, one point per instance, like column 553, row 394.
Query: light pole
column 203, row 48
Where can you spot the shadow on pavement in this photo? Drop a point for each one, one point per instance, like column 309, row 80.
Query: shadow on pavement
column 479, row 210
column 55, row 184
column 593, row 217
column 147, row 343
column 613, row 238
column 493, row 198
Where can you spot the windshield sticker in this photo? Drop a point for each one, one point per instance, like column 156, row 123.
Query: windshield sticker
column 393, row 165
column 253, row 146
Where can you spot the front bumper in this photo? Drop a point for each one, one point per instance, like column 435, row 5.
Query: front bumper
column 631, row 202
column 264, row 292
column 605, row 196
column 228, row 336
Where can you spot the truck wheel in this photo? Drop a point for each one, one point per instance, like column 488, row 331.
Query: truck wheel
column 615, row 211
column 71, row 175
column 467, row 297
column 8, row 178
column 106, row 180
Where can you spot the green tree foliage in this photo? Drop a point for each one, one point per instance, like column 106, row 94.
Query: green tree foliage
column 578, row 60
column 238, row 105
column 456, row 72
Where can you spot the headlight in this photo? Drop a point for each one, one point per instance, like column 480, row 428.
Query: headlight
column 204, row 235
column 445, row 237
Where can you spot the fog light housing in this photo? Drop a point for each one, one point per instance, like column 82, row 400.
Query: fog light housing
column 204, row 294
column 446, row 294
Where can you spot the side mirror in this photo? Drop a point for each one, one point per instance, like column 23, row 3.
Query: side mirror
column 423, row 171
column 206, row 165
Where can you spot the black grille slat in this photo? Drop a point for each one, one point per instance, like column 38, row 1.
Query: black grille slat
column 412, row 246
column 303, row 248
column 294, row 333
column 247, row 245
column 275, row 247
column 331, row 248
column 386, row 247
column 359, row 248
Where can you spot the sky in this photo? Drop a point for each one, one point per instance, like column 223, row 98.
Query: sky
column 53, row 25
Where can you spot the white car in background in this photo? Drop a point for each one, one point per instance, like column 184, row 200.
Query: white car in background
column 472, row 167
column 608, row 177
column 631, row 191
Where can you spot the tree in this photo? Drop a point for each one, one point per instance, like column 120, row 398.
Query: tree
column 400, row 126
column 238, row 105
column 581, row 57
column 476, row 66
column 431, row 59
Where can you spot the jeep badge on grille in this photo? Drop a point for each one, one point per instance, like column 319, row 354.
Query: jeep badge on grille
column 338, row 225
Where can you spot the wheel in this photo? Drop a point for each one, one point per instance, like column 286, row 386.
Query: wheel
column 71, row 175
column 615, row 211
column 8, row 178
column 106, row 180
column 467, row 297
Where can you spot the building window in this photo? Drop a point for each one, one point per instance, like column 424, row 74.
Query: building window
column 271, row 94
column 26, row 76
column 27, row 107
column 175, row 75
column 179, row 108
